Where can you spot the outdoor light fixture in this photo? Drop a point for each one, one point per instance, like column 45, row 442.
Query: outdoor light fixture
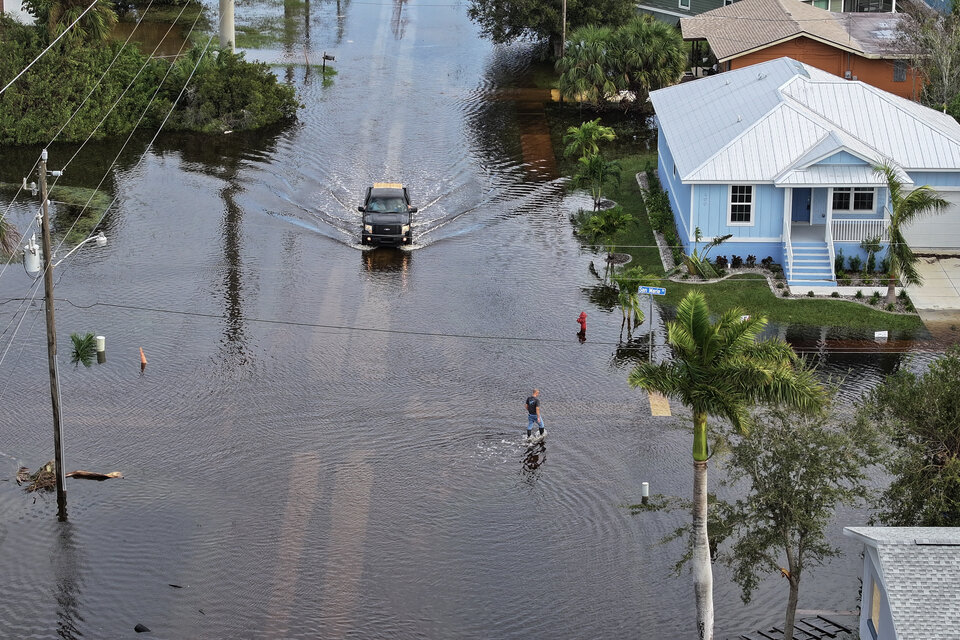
column 32, row 253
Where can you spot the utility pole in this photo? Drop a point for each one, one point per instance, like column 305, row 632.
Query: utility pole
column 563, row 30
column 52, row 341
column 228, row 40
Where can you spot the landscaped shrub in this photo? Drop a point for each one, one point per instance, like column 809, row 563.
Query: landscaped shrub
column 867, row 281
column 751, row 261
column 843, row 281
column 874, row 299
column 780, row 285
column 786, row 293
column 809, row 294
column 884, row 266
column 891, row 307
column 858, row 295
column 855, row 263
column 767, row 262
column 838, row 262
column 835, row 294
column 721, row 262
column 736, row 262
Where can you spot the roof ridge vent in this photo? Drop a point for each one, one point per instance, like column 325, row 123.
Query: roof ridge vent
column 761, row 75
column 739, row 117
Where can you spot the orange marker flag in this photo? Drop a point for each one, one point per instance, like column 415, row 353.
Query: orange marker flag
column 143, row 358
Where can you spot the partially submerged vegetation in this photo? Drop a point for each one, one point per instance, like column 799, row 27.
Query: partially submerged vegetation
column 220, row 90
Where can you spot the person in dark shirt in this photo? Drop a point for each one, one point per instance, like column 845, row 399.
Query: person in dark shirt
column 533, row 413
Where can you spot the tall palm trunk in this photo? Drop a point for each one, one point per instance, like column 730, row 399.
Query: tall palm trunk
column 700, row 543
column 892, row 285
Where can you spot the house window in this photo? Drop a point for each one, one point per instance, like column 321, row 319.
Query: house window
column 875, row 599
column 726, row 2
column 684, row 4
column 856, row 199
column 899, row 70
column 741, row 204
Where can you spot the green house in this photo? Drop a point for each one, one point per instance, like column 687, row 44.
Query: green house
column 670, row 11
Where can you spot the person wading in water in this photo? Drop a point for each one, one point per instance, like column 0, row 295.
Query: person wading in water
column 533, row 413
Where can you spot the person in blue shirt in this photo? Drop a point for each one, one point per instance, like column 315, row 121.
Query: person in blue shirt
column 533, row 413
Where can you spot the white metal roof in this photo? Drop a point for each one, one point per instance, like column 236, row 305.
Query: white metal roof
column 832, row 175
column 756, row 123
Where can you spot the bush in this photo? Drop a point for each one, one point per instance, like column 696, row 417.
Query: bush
column 884, row 266
column 855, row 263
column 780, row 285
column 226, row 92
column 720, row 262
column 873, row 301
column 751, row 261
column 767, row 262
column 835, row 294
column 736, row 262
column 858, row 295
column 838, row 262
column 786, row 293
column 809, row 294
column 844, row 281
column 903, row 295
column 891, row 307
column 867, row 282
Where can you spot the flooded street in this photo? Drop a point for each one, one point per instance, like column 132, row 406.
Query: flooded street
column 325, row 442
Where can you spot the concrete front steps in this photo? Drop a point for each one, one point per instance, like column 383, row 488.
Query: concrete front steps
column 810, row 265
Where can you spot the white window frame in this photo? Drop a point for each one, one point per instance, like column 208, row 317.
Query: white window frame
column 853, row 192
column 752, row 203
column 680, row 4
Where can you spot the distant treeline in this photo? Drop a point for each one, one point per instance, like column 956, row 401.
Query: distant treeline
column 225, row 93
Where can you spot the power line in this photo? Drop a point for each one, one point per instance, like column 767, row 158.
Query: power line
column 50, row 46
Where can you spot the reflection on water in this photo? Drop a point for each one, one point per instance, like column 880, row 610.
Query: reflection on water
column 388, row 259
column 67, row 561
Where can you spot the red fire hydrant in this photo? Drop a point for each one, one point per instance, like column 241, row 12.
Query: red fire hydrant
column 582, row 319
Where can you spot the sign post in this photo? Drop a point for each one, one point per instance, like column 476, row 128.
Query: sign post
column 652, row 291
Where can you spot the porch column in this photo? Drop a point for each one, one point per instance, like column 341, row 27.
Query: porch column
column 829, row 229
column 787, row 212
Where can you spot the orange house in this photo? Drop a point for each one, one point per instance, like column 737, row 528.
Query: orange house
column 855, row 46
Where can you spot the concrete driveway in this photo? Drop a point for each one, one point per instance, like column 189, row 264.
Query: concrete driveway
column 941, row 285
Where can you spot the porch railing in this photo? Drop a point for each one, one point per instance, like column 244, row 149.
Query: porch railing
column 858, row 230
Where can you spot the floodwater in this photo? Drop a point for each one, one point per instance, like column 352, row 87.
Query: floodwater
column 325, row 440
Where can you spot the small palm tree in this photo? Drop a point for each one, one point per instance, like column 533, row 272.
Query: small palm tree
column 95, row 26
column 721, row 369
column 602, row 227
column 585, row 139
column 904, row 209
column 84, row 349
column 585, row 66
column 628, row 282
column 594, row 173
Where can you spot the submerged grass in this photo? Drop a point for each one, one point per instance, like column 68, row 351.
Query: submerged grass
column 84, row 207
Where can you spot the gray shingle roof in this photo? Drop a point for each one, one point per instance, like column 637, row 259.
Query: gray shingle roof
column 920, row 569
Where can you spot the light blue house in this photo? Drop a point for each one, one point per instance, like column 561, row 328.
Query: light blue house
column 911, row 582
column 780, row 155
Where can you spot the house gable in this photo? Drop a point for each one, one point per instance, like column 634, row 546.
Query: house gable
column 843, row 157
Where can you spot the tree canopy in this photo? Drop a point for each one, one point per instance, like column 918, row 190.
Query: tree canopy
column 920, row 414
column 507, row 20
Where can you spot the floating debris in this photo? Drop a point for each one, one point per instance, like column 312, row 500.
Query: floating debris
column 93, row 475
column 23, row 475
column 44, row 478
column 141, row 629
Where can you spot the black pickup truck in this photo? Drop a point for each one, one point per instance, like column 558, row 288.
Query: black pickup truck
column 386, row 215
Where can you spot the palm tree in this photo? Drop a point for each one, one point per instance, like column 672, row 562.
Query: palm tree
column 595, row 173
column 94, row 27
column 628, row 281
column 649, row 55
column 602, row 227
column 721, row 369
column 585, row 66
column 585, row 139
column 904, row 209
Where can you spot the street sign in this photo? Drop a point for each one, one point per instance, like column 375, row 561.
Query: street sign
column 653, row 291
